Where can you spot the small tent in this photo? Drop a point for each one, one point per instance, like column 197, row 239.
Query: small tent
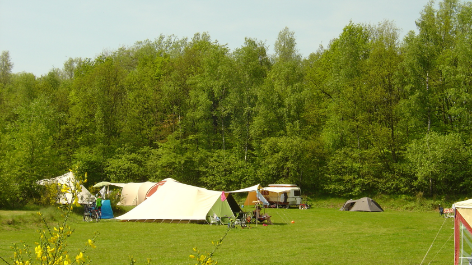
column 462, row 232
column 68, row 179
column 107, row 212
column 365, row 204
column 175, row 201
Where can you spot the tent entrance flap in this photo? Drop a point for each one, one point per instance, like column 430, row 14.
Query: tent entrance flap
column 233, row 204
column 222, row 210
column 107, row 212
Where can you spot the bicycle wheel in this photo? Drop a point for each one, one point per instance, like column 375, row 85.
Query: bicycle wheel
column 96, row 216
column 87, row 217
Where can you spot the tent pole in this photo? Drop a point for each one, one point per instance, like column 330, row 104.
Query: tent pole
column 278, row 199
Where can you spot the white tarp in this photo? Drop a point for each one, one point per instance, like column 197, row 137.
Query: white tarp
column 463, row 204
column 253, row 188
column 280, row 189
column 106, row 184
column 175, row 201
column 68, row 179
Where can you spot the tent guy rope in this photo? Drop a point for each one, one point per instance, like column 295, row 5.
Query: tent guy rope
column 433, row 241
column 441, row 247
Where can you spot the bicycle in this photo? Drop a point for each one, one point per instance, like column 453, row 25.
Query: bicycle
column 91, row 213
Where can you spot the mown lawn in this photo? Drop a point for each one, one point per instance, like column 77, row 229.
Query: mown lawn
column 318, row 236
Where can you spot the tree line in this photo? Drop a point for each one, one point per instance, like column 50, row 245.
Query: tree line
column 367, row 114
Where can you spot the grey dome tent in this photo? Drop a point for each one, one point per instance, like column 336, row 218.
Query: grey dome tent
column 365, row 204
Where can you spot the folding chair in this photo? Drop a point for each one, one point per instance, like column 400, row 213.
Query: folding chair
column 215, row 220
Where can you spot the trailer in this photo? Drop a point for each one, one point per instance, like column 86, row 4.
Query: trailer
column 282, row 195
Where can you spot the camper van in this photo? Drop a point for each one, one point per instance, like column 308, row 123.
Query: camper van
column 282, row 195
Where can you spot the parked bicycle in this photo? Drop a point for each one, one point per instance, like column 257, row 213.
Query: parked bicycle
column 91, row 213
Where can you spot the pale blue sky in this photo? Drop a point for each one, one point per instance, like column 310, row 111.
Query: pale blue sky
column 41, row 35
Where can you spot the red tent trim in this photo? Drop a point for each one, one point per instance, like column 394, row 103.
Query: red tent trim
column 457, row 235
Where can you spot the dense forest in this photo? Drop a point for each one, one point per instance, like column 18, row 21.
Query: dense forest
column 368, row 114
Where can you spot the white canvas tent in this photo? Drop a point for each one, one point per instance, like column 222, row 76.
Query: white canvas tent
column 143, row 189
column 129, row 194
column 462, row 232
column 136, row 193
column 68, row 179
column 175, row 201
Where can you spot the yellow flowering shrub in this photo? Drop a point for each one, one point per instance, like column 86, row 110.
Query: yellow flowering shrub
column 208, row 257
column 52, row 244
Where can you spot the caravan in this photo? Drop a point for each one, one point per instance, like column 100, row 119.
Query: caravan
column 282, row 195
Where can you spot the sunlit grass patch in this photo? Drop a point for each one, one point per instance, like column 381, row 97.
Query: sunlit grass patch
column 317, row 236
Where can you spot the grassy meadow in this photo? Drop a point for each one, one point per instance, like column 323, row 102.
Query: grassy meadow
column 317, row 236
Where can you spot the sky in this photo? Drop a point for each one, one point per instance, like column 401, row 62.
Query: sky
column 42, row 35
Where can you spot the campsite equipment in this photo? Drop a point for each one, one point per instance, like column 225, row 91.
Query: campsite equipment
column 175, row 201
column 257, row 216
column 365, row 204
column 241, row 219
column 282, row 195
column 462, row 232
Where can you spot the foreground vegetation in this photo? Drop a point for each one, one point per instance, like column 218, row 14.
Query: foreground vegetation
column 317, row 236
column 368, row 114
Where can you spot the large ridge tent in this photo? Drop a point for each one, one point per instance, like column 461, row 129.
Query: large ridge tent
column 136, row 193
column 175, row 201
column 365, row 204
column 143, row 189
column 463, row 232
column 68, row 179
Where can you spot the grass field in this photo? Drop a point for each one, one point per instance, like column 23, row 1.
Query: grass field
column 318, row 236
